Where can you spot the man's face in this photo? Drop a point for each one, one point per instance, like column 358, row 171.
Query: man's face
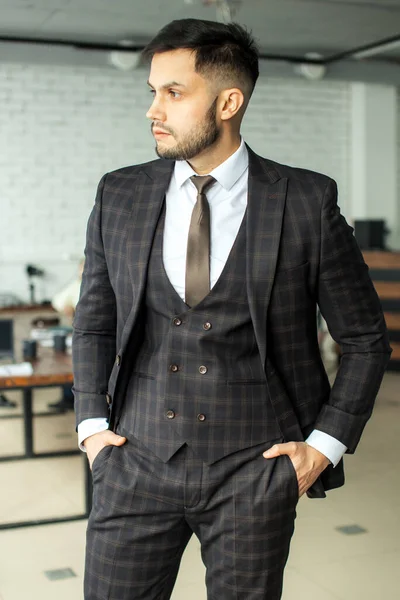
column 183, row 111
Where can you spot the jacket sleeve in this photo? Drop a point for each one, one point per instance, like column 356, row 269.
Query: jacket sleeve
column 351, row 308
column 94, row 334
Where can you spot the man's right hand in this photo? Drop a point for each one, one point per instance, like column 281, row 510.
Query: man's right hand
column 94, row 443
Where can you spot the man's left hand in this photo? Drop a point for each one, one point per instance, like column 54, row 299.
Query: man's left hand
column 307, row 462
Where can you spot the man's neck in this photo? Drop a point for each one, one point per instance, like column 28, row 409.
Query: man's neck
column 211, row 158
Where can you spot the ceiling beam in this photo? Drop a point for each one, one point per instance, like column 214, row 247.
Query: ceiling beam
column 359, row 52
column 365, row 51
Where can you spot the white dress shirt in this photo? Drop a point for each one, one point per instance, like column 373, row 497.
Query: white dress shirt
column 227, row 198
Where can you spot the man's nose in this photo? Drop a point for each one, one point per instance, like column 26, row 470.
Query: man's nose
column 156, row 111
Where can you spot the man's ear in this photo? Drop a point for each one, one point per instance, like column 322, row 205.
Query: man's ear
column 233, row 101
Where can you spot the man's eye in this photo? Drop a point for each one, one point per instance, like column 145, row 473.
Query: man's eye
column 174, row 94
column 152, row 92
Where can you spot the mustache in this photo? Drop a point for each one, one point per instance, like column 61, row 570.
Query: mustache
column 156, row 125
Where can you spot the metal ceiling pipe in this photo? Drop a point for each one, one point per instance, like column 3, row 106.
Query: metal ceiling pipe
column 355, row 53
column 366, row 51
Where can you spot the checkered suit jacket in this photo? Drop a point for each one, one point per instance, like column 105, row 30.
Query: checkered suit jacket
column 300, row 253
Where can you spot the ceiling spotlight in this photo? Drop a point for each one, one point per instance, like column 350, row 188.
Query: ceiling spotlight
column 124, row 61
column 226, row 9
column 311, row 70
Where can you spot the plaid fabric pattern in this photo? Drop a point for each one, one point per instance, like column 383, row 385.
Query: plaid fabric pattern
column 215, row 412
column 300, row 252
column 144, row 512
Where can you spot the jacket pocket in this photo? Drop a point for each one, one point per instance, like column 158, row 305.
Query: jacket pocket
column 143, row 375
column 246, row 382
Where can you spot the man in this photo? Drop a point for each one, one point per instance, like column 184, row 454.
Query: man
column 64, row 302
column 202, row 276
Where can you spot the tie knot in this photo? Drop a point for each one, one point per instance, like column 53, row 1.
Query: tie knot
column 202, row 182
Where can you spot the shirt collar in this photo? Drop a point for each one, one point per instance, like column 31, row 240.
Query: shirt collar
column 226, row 173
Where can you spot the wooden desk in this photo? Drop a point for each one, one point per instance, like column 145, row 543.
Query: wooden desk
column 384, row 268
column 50, row 369
column 46, row 309
column 22, row 317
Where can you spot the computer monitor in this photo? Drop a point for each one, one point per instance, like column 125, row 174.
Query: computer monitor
column 6, row 339
column 370, row 234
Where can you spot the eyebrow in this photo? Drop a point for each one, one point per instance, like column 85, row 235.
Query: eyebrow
column 168, row 85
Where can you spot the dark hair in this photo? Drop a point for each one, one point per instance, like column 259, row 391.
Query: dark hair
column 227, row 49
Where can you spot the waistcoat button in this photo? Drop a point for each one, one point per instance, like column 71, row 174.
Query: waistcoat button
column 118, row 360
column 207, row 326
column 177, row 321
column 174, row 368
column 170, row 414
column 203, row 370
column 108, row 399
column 201, row 417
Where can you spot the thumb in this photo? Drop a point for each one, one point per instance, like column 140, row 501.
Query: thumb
column 113, row 439
column 276, row 450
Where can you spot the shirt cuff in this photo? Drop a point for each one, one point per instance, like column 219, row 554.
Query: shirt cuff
column 89, row 427
column 327, row 445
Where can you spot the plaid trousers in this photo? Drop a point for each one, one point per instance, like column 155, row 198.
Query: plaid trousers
column 242, row 508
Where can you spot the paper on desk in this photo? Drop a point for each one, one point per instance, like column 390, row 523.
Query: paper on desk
column 13, row 370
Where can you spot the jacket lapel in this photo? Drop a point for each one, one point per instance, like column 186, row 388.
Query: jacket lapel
column 265, row 209
column 148, row 196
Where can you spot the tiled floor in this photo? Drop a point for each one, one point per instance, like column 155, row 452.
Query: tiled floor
column 324, row 564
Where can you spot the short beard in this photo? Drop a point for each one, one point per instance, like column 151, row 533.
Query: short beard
column 199, row 139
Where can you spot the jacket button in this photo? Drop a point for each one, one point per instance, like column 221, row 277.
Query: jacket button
column 108, row 398
column 174, row 368
column 207, row 326
column 118, row 360
column 170, row 414
column 177, row 322
column 201, row 417
column 203, row 370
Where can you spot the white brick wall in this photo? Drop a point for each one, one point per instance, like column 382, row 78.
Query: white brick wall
column 398, row 162
column 63, row 127
column 302, row 123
